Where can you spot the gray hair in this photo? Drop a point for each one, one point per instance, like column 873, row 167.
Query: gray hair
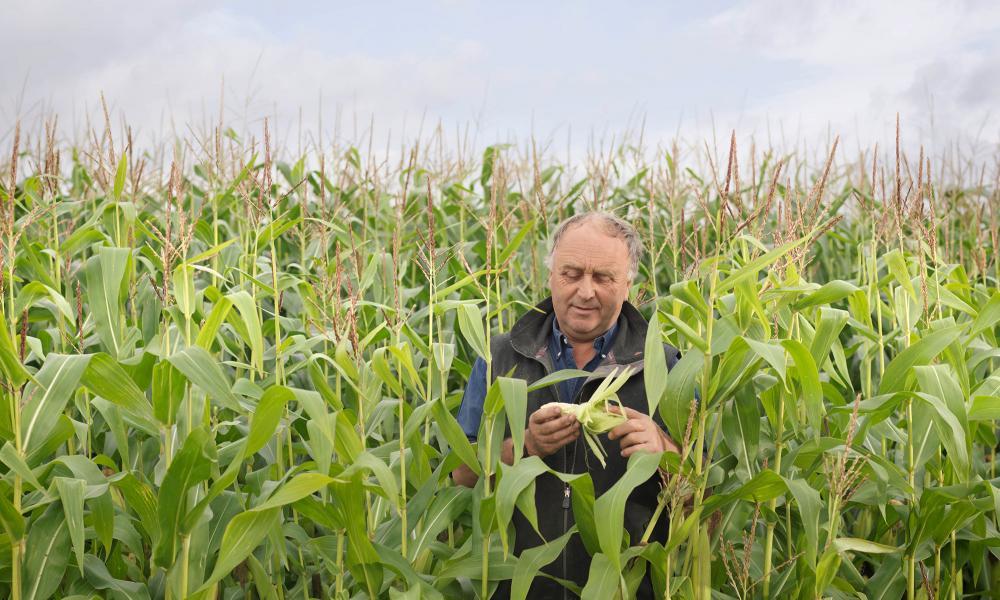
column 613, row 226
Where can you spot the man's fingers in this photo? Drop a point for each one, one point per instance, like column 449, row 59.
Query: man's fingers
column 554, row 426
column 634, row 439
column 627, row 452
column 548, row 444
column 630, row 413
column 634, row 414
column 562, row 439
column 545, row 413
column 624, row 429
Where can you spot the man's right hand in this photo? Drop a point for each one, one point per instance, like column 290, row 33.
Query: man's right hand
column 549, row 430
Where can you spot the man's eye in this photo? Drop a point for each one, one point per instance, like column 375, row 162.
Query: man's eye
column 601, row 278
column 574, row 275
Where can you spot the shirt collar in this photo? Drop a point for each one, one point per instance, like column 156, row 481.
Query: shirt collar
column 602, row 343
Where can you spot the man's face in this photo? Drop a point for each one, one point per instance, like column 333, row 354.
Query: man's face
column 589, row 281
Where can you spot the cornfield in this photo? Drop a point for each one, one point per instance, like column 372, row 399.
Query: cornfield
column 232, row 371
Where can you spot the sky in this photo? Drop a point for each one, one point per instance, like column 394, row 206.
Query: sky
column 781, row 72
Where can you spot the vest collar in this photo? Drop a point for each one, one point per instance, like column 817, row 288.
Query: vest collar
column 530, row 335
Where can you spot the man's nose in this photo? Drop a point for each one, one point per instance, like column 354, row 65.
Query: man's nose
column 586, row 289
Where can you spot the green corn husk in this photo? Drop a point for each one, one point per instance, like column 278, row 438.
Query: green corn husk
column 594, row 415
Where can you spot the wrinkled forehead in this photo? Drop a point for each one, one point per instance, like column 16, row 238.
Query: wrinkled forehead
column 588, row 247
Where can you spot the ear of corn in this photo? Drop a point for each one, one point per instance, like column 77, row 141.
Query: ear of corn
column 595, row 415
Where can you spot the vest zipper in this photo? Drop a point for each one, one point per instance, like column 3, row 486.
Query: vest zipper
column 565, row 505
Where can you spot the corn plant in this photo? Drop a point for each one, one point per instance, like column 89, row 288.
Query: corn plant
column 229, row 372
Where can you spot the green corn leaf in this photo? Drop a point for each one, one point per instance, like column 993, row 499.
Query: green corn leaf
column 558, row 376
column 828, row 293
column 16, row 463
column 515, row 402
column 366, row 461
column 105, row 274
column 764, row 486
column 751, row 269
column 831, row 323
column 97, row 575
column 897, row 267
column 13, row 521
column 810, row 505
column 514, row 480
column 297, row 488
column 191, row 466
column 202, row 370
column 604, row 581
column 47, row 396
column 988, row 317
column 773, row 354
column 683, row 533
column 679, row 395
column 243, row 534
column 250, row 320
column 184, row 290
column 448, row 504
column 741, row 430
column 265, row 418
column 392, row 559
column 807, row 376
column 349, row 511
column 984, row 408
column 858, row 545
column 688, row 333
column 261, row 580
column 655, row 377
column 210, row 327
column 46, row 556
column 516, row 242
column 119, row 185
column 105, row 377
column 920, row 353
column 952, row 434
column 470, row 322
column 36, row 291
column 611, row 504
column 453, row 434
column 71, row 495
column 168, row 392
column 13, row 370
column 688, row 292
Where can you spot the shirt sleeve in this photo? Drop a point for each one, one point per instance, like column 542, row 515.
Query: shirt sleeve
column 471, row 411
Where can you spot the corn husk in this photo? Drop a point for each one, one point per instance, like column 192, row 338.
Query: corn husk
column 594, row 415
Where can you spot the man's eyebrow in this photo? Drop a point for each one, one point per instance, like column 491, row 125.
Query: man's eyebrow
column 605, row 271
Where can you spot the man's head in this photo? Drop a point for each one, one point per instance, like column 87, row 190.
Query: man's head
column 593, row 259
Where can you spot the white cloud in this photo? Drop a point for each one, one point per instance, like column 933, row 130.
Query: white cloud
column 767, row 67
column 930, row 61
column 172, row 68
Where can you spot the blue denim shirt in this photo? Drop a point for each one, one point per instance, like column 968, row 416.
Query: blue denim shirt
column 561, row 353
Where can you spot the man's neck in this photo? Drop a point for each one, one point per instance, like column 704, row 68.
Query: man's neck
column 583, row 352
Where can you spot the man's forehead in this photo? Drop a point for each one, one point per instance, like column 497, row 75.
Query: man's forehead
column 583, row 257
column 588, row 244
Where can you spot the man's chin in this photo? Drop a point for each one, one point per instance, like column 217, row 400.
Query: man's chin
column 585, row 329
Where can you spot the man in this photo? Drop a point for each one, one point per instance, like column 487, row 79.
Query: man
column 586, row 324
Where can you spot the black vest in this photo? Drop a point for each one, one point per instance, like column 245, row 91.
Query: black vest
column 525, row 349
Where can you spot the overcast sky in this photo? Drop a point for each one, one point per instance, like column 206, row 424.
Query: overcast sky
column 772, row 69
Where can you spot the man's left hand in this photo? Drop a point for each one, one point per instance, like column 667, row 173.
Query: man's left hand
column 640, row 432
